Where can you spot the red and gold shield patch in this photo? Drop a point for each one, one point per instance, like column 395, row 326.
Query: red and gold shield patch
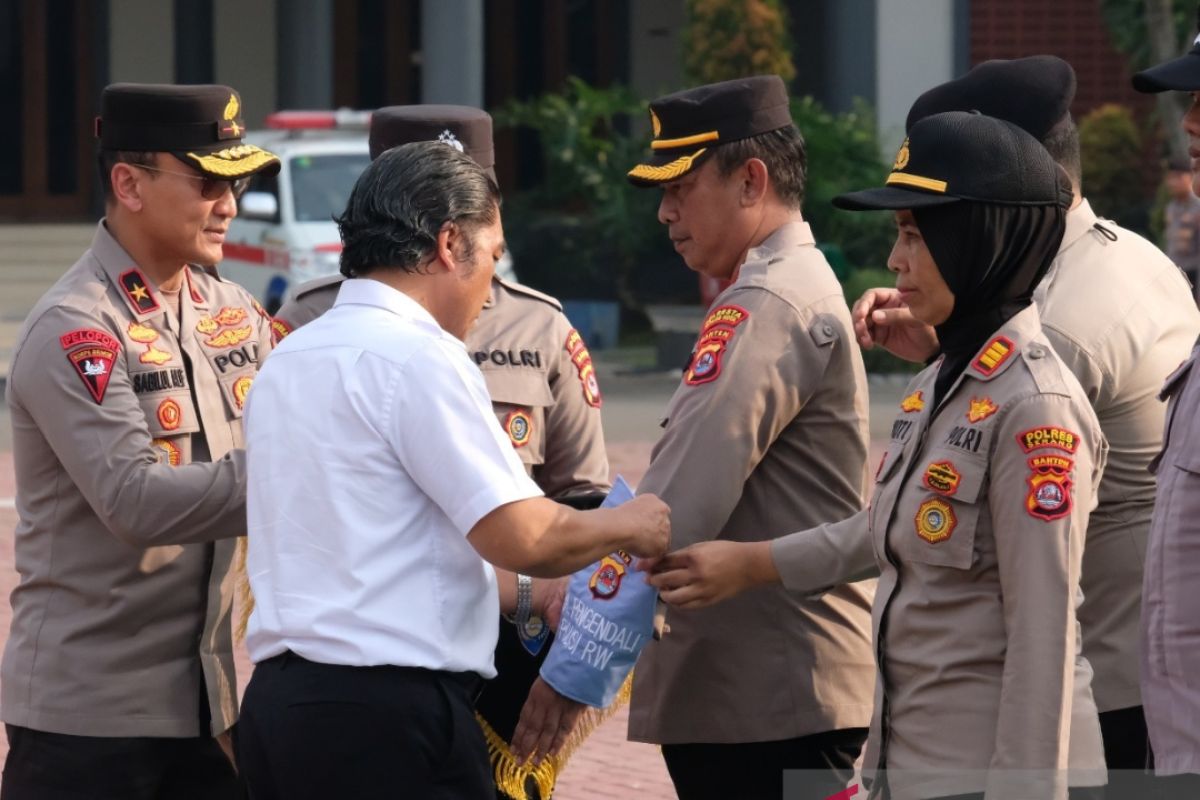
column 582, row 360
column 279, row 330
column 1049, row 487
column 518, row 426
column 935, row 521
column 606, row 580
column 942, row 477
column 169, row 415
column 94, row 364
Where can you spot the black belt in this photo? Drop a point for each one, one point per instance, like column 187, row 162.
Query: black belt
column 471, row 682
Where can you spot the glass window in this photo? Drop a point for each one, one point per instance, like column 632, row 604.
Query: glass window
column 321, row 185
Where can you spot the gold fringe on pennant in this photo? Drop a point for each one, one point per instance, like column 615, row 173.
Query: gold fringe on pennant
column 591, row 719
column 244, row 598
column 511, row 777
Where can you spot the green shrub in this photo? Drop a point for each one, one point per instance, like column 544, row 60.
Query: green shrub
column 727, row 39
column 1112, row 165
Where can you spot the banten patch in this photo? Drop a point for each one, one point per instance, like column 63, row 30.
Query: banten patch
column 519, row 426
column 980, row 409
column 914, row 402
column 705, row 365
column 134, row 285
column 994, row 354
column 279, row 330
column 942, row 477
column 241, row 389
column 1051, row 462
column 169, row 415
column 94, row 365
column 168, row 452
column 1049, row 495
column 935, row 521
column 1048, row 436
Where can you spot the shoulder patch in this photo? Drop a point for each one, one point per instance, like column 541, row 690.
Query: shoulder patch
column 279, row 329
column 517, row 288
column 582, row 360
column 93, row 362
column 719, row 328
column 1050, row 436
column 994, row 354
column 1049, row 481
column 318, row 283
column 136, row 290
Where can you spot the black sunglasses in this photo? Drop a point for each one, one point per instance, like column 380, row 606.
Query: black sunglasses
column 210, row 188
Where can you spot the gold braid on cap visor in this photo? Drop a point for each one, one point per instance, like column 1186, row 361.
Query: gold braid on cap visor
column 234, row 162
column 666, row 172
column 905, row 179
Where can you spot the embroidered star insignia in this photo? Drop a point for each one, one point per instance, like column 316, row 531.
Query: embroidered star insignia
column 981, row 409
column 139, row 292
column 914, row 402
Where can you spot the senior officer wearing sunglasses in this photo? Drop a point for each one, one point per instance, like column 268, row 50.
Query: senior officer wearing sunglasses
column 126, row 392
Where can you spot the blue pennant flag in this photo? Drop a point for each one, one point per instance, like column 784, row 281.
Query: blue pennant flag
column 607, row 618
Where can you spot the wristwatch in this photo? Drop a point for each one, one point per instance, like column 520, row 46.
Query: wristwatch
column 524, row 600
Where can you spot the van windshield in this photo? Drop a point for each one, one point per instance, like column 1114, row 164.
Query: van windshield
column 321, row 185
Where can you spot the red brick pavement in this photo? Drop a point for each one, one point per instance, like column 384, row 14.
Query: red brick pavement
column 589, row 775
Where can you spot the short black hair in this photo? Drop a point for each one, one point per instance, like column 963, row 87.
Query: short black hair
column 107, row 159
column 402, row 200
column 782, row 150
column 1062, row 141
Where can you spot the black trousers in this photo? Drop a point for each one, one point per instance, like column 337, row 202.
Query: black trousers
column 56, row 766
column 754, row 770
column 318, row 731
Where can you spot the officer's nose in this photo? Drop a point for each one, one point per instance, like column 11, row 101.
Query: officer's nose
column 226, row 205
column 668, row 209
column 896, row 260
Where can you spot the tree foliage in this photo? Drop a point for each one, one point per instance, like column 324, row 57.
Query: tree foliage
column 1112, row 157
column 1126, row 20
column 727, row 39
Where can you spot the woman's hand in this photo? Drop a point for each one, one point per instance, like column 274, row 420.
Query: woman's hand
column 709, row 572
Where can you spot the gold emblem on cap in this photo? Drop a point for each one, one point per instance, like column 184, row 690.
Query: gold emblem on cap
column 901, row 156
column 655, row 124
column 232, row 107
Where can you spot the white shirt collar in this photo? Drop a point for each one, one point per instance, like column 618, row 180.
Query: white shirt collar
column 370, row 292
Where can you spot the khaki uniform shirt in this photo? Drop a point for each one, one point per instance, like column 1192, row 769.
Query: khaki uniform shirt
column 766, row 434
column 1121, row 316
column 977, row 524
column 130, row 491
column 538, row 372
column 1170, row 623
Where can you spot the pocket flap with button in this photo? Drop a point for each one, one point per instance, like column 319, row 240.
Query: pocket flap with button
column 169, row 414
column 518, row 387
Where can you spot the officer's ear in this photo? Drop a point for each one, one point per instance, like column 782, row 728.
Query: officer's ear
column 126, row 185
column 755, row 180
column 448, row 249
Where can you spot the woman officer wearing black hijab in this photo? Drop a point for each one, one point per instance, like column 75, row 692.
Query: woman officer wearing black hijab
column 976, row 523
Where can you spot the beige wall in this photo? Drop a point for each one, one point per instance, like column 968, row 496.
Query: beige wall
column 141, row 45
column 244, row 58
column 655, row 63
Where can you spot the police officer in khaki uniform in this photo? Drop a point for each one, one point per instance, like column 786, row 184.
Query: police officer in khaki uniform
column 977, row 522
column 1170, row 635
column 126, row 392
column 543, row 386
column 766, row 434
column 1120, row 315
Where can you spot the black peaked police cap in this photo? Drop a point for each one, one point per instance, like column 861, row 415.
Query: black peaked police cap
column 1034, row 93
column 965, row 156
column 466, row 129
column 688, row 125
column 201, row 125
column 1179, row 74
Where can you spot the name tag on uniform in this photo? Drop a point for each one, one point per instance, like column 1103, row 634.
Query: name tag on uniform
column 607, row 618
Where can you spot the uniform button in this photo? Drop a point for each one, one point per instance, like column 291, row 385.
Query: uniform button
column 1037, row 352
column 827, row 330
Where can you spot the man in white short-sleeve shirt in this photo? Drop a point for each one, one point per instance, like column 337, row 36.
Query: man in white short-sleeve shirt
column 379, row 482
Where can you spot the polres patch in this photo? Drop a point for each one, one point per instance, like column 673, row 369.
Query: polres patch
column 1048, row 436
column 935, row 521
column 518, row 426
